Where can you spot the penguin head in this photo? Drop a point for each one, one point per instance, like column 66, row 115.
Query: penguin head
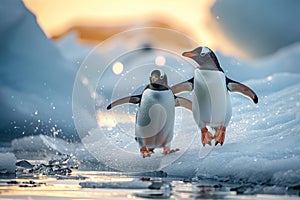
column 205, row 57
column 158, row 77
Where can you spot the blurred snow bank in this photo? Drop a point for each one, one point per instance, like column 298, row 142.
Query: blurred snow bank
column 259, row 27
column 36, row 79
column 284, row 60
column 7, row 163
column 42, row 147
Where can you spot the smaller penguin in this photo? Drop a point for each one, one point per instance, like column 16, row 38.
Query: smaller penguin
column 211, row 101
column 154, row 126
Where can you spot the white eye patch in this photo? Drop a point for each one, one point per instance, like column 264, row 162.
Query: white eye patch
column 204, row 51
column 162, row 74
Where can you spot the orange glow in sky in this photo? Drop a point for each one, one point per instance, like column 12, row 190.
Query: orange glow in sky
column 191, row 15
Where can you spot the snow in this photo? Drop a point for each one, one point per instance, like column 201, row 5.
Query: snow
column 45, row 147
column 262, row 141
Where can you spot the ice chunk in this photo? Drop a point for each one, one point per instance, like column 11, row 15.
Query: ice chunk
column 132, row 184
column 7, row 163
column 24, row 164
column 135, row 184
column 51, row 169
column 154, row 194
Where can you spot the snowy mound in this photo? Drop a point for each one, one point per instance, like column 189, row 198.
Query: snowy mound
column 262, row 140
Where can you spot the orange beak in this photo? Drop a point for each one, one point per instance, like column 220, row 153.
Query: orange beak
column 189, row 54
column 155, row 79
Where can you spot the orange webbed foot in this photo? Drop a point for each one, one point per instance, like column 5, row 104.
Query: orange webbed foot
column 145, row 152
column 220, row 135
column 206, row 136
column 167, row 150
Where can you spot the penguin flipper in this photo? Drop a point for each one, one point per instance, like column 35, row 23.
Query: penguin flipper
column 130, row 99
column 184, row 86
column 183, row 102
column 234, row 86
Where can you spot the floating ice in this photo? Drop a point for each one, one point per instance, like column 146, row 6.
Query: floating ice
column 24, row 164
column 134, row 184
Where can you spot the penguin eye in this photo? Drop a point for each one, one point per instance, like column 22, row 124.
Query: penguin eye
column 202, row 54
column 161, row 77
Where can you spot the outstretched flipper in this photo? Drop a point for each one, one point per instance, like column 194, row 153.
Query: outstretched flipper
column 183, row 102
column 184, row 86
column 131, row 99
column 234, row 86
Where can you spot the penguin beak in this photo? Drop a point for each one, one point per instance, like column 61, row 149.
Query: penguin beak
column 189, row 54
column 155, row 79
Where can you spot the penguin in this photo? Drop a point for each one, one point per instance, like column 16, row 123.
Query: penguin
column 211, row 101
column 154, row 126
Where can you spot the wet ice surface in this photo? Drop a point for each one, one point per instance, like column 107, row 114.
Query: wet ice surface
column 112, row 185
column 52, row 182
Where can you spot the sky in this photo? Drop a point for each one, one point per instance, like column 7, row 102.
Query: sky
column 191, row 17
column 251, row 29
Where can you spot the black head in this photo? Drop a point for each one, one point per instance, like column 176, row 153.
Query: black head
column 205, row 57
column 158, row 77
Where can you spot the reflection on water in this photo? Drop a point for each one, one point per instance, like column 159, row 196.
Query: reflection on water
column 116, row 185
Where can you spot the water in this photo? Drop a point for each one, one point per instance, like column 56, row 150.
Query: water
column 116, row 185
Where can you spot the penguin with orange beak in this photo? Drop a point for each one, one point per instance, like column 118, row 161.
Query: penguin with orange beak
column 211, row 101
column 154, row 126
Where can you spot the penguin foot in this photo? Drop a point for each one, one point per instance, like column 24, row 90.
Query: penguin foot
column 220, row 135
column 167, row 150
column 206, row 136
column 151, row 149
column 145, row 152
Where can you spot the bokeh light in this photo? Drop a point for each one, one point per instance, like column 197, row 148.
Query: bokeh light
column 160, row 61
column 117, row 68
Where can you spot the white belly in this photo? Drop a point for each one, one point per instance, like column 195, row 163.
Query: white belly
column 155, row 118
column 211, row 101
